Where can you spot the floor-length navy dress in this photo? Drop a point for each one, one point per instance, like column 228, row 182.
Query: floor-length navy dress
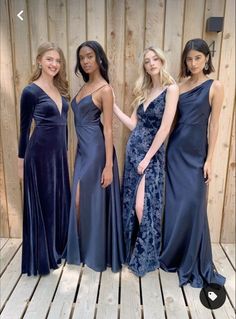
column 95, row 232
column 186, row 240
column 143, row 241
column 46, row 181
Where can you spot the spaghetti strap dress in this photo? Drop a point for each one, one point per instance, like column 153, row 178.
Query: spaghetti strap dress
column 143, row 240
column 95, row 235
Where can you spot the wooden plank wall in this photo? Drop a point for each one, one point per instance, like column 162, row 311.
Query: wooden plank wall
column 124, row 28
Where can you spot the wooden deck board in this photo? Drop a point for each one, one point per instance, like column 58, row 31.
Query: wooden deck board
column 63, row 299
column 3, row 242
column 130, row 296
column 230, row 252
column 20, row 297
column 9, row 278
column 173, row 296
column 224, row 267
column 86, row 300
column 73, row 292
column 43, row 295
column 7, row 252
column 108, row 296
column 153, row 307
column 195, row 306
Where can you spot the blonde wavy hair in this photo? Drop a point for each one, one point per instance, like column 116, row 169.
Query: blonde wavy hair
column 60, row 78
column 144, row 82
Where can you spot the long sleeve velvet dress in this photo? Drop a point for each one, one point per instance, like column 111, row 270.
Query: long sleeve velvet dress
column 46, row 181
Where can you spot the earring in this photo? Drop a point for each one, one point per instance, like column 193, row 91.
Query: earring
column 206, row 67
column 40, row 66
column 100, row 61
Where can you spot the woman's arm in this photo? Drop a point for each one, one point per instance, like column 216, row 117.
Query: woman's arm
column 161, row 135
column 130, row 122
column 216, row 97
column 27, row 105
column 107, row 106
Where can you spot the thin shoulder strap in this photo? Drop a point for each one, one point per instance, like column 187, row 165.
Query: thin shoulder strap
column 80, row 89
column 99, row 88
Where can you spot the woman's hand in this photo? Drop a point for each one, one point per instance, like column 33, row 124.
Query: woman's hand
column 107, row 176
column 207, row 172
column 20, row 168
column 143, row 165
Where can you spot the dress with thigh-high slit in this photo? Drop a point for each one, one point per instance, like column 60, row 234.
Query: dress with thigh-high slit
column 143, row 240
column 95, row 234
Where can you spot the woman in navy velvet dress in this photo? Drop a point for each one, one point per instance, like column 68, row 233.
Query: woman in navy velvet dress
column 43, row 163
column 95, row 229
column 186, row 241
column 143, row 181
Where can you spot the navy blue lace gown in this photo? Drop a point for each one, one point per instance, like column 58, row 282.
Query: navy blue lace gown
column 143, row 241
column 186, row 240
column 46, row 181
column 95, row 232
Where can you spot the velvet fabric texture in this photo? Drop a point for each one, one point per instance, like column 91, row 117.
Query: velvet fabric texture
column 186, row 239
column 95, row 232
column 143, row 240
column 46, row 181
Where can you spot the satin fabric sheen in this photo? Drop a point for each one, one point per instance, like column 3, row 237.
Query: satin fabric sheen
column 186, row 239
column 96, row 236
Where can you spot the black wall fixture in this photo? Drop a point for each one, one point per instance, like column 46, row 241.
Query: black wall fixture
column 214, row 24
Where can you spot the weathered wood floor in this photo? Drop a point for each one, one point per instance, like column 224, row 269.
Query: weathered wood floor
column 80, row 293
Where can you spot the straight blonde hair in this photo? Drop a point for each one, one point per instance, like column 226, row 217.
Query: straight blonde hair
column 144, row 82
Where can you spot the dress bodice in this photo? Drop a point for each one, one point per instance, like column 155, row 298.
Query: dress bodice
column 37, row 105
column 194, row 106
column 151, row 117
column 86, row 112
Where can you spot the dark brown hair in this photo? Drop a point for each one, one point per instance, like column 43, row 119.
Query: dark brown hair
column 197, row 45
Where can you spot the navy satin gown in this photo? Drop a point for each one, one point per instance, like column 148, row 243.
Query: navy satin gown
column 46, row 181
column 143, row 240
column 186, row 239
column 95, row 232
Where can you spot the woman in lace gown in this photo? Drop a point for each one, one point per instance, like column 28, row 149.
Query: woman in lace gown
column 186, row 240
column 144, row 171
column 95, row 228
column 43, row 163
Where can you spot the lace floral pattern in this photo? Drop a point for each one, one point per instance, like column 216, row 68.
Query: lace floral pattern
column 143, row 241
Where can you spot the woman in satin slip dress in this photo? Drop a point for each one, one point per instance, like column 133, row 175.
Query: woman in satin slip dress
column 95, row 228
column 186, row 239
column 143, row 181
column 43, row 162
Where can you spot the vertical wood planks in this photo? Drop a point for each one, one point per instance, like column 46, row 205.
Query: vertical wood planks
column 228, row 223
column 155, row 17
column 115, row 54
column 76, row 23
column 9, row 126
column 173, row 34
column 214, row 8
column 227, row 77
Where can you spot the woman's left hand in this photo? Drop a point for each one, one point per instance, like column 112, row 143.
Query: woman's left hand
column 143, row 165
column 107, row 177
column 207, row 172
